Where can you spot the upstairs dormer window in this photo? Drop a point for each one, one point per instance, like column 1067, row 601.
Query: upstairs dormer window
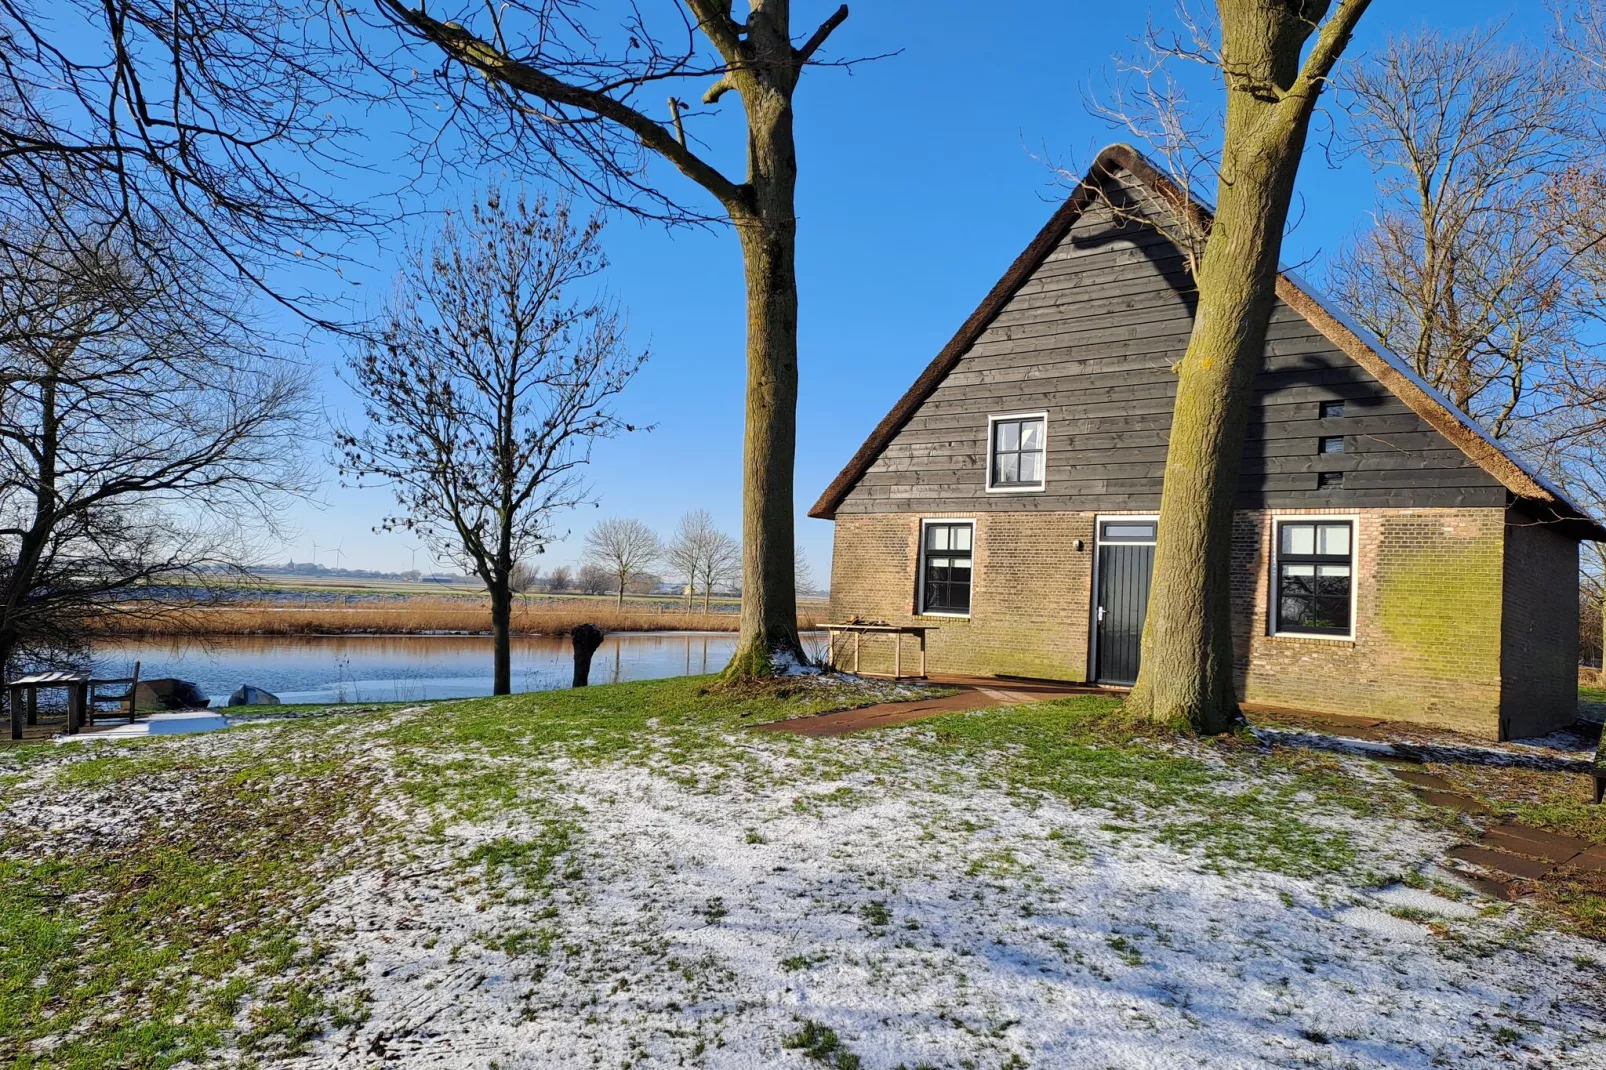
column 1016, row 453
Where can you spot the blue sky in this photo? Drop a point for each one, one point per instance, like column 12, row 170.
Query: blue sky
column 922, row 177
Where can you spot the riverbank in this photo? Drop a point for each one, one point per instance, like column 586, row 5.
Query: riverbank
column 425, row 616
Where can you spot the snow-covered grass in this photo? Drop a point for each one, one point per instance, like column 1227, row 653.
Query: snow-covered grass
column 626, row 876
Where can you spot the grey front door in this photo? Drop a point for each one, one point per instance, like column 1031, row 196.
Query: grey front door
column 1125, row 561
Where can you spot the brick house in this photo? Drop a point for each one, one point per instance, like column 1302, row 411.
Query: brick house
column 1389, row 558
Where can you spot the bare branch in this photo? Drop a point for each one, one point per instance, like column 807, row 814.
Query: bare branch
column 812, row 45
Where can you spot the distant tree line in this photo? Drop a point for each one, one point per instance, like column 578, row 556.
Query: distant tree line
column 625, row 556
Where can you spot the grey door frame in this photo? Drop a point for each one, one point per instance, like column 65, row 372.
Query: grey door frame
column 1099, row 520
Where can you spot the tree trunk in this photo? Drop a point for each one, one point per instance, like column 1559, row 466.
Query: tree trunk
column 619, row 601
column 769, row 242
column 1186, row 675
column 501, row 639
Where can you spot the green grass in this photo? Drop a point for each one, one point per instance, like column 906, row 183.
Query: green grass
column 142, row 952
column 1188, row 795
column 139, row 952
column 820, row 1043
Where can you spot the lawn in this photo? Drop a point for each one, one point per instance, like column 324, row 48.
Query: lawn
column 628, row 876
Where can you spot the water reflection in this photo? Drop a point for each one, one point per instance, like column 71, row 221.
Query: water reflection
column 405, row 668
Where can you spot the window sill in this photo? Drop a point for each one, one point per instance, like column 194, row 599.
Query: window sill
column 943, row 616
column 1035, row 488
column 1312, row 637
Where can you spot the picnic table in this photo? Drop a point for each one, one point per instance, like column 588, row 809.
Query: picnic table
column 23, row 697
column 897, row 631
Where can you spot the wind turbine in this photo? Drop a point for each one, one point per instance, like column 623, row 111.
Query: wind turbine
column 340, row 554
column 314, row 555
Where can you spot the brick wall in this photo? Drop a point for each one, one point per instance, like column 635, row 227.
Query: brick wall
column 1430, row 586
column 1029, row 593
column 1539, row 661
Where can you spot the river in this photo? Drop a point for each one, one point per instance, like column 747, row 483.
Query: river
column 367, row 668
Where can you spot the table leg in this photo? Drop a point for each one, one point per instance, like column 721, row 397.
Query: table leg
column 75, row 712
column 897, row 655
column 922, row 654
column 32, row 698
column 855, row 653
column 14, row 700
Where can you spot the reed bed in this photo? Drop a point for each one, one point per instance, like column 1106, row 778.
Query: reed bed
column 422, row 616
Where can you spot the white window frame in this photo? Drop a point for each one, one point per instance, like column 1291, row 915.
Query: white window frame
column 1272, row 614
column 920, row 568
column 987, row 476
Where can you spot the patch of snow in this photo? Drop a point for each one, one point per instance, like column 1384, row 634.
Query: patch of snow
column 786, row 664
column 699, row 914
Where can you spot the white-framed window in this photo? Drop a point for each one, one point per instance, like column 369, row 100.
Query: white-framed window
column 1313, row 576
column 947, row 548
column 1017, row 454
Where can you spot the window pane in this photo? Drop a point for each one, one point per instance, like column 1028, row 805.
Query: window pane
column 1008, row 435
column 1031, row 468
column 1138, row 532
column 1301, row 571
column 1332, row 571
column 937, row 536
column 1299, row 539
column 1009, row 468
column 961, row 540
column 1031, row 435
column 1333, row 539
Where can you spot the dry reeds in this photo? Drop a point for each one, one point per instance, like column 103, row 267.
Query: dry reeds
column 421, row 616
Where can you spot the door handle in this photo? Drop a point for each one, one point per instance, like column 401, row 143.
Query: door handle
column 1101, row 614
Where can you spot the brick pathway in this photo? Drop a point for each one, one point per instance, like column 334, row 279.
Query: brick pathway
column 973, row 694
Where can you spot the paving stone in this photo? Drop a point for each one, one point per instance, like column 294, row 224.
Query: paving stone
column 1423, row 780
column 1524, row 839
column 1592, row 859
column 1501, row 862
column 1453, row 801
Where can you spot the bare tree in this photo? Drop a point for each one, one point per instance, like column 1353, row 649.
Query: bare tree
column 1272, row 84
column 560, row 579
column 185, row 128
column 556, row 81
column 594, row 579
column 624, row 548
column 721, row 565
column 804, row 574
column 488, row 386
column 523, row 578
column 147, row 441
column 693, row 541
column 1468, row 267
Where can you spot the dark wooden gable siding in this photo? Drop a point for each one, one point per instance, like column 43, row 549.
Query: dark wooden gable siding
column 1091, row 339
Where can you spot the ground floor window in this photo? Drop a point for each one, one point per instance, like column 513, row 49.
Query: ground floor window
column 945, row 550
column 1315, row 577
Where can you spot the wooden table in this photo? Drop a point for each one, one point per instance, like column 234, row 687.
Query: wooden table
column 23, row 697
column 897, row 631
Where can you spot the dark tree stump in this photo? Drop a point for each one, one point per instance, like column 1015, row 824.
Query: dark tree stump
column 587, row 637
